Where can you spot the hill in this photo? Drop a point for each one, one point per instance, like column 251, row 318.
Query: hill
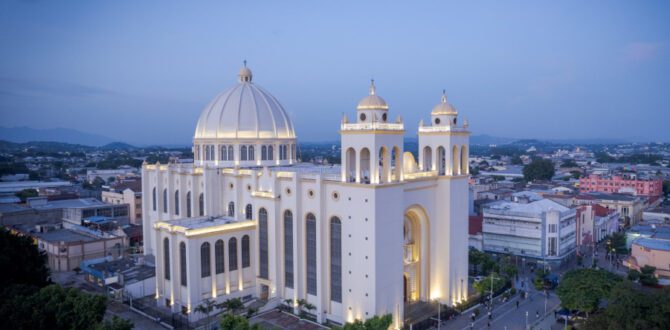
column 64, row 135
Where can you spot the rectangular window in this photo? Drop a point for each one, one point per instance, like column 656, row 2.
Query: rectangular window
column 311, row 255
column 288, row 251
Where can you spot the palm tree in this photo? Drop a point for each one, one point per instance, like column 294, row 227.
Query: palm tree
column 231, row 305
column 206, row 308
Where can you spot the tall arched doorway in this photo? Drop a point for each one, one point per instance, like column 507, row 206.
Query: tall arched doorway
column 415, row 254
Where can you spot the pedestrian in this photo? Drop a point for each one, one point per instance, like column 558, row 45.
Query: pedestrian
column 489, row 324
column 537, row 314
column 490, row 317
column 555, row 314
column 472, row 325
column 517, row 304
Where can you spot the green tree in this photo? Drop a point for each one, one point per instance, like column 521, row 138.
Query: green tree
column 116, row 323
column 516, row 160
column 647, row 276
column 232, row 305
column 206, row 307
column 539, row 169
column 631, row 308
column 375, row 323
column 618, row 242
column 483, row 287
column 633, row 275
column 30, row 271
column 26, row 193
column 582, row 289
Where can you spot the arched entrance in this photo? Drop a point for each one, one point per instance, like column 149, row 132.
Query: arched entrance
column 415, row 254
column 405, row 286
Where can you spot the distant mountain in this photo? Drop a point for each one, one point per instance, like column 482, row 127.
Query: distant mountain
column 484, row 139
column 65, row 135
column 118, row 146
column 43, row 146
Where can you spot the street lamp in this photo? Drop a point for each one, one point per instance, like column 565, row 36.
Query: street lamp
column 526, row 320
column 491, row 297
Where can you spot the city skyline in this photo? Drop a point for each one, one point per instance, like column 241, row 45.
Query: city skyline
column 557, row 71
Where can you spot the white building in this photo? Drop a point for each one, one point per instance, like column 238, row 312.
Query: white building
column 355, row 240
column 543, row 230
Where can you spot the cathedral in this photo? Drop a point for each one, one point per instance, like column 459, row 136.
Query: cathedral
column 247, row 220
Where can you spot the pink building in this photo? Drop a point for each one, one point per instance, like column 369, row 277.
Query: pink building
column 650, row 252
column 622, row 184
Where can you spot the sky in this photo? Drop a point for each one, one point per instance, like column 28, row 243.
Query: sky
column 142, row 71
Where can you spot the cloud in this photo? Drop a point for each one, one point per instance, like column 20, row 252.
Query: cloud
column 640, row 51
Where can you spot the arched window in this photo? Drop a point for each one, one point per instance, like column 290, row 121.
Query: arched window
column 251, row 153
column 264, row 153
column 188, row 204
column 201, row 204
column 224, row 153
column 310, row 237
column 246, row 257
column 165, row 201
column 206, row 152
column 293, row 155
column 218, row 257
column 182, row 263
column 288, row 249
column 153, row 199
column 205, row 264
column 212, row 155
column 281, row 152
column 176, row 202
column 335, row 259
column 243, row 153
column 231, row 209
column 248, row 212
column 270, row 153
column 263, row 243
column 232, row 254
column 231, row 153
column 166, row 257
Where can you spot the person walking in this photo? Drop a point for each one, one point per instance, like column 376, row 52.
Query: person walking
column 517, row 304
column 537, row 314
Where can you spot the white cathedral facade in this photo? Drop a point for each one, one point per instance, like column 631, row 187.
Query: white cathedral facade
column 355, row 240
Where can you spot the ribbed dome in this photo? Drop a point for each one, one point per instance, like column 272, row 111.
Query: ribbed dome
column 372, row 101
column 443, row 108
column 247, row 112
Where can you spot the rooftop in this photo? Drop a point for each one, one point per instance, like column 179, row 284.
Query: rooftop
column 654, row 244
column 536, row 207
column 65, row 235
column 72, row 203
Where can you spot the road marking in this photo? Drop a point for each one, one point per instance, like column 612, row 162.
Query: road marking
column 524, row 302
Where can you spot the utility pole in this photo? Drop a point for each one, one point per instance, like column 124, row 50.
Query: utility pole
column 526, row 320
column 492, row 278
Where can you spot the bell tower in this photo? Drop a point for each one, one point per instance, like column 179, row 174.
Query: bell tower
column 372, row 147
column 443, row 149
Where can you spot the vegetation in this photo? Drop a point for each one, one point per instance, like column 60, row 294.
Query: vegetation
column 632, row 308
column 28, row 301
column 26, row 193
column 569, row 163
column 539, row 169
column 116, row 323
column 235, row 322
column 603, row 157
column 481, row 262
column 617, row 241
column 582, row 289
column 647, row 276
column 483, row 287
column 375, row 323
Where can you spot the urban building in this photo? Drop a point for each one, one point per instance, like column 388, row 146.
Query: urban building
column 651, row 252
column 542, row 230
column 355, row 240
column 594, row 223
column 624, row 183
column 126, row 192
column 124, row 278
column 122, row 173
column 67, row 248
column 629, row 207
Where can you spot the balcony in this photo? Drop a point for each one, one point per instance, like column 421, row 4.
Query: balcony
column 374, row 126
column 433, row 129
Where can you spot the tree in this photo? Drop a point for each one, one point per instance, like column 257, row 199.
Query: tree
column 647, row 276
column 539, row 169
column 633, row 275
column 582, row 289
column 484, row 286
column 618, row 242
column 234, row 322
column 30, row 271
column 375, row 323
column 516, row 160
column 206, row 307
column 631, row 308
column 116, row 323
column 232, row 305
column 26, row 193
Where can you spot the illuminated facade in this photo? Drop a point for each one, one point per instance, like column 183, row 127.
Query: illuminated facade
column 356, row 240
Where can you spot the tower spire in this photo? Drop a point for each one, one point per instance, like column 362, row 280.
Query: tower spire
column 444, row 96
column 373, row 89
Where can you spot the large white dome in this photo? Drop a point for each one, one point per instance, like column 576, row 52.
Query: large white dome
column 245, row 111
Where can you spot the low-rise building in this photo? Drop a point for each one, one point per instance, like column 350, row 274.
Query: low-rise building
column 543, row 230
column 630, row 207
column 129, row 278
column 67, row 248
column 651, row 252
column 594, row 223
column 126, row 192
column 625, row 183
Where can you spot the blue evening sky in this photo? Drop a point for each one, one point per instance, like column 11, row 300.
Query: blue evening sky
column 141, row 71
